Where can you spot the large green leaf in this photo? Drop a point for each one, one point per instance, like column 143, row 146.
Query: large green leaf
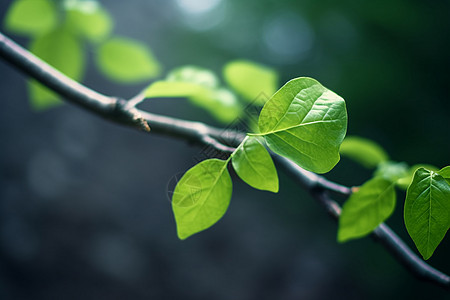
column 250, row 80
column 126, row 60
column 305, row 122
column 364, row 151
column 367, row 208
column 445, row 172
column 427, row 210
column 64, row 52
column 31, row 16
column 88, row 19
column 201, row 197
column 253, row 164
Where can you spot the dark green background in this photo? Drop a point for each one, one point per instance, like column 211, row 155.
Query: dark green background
column 84, row 211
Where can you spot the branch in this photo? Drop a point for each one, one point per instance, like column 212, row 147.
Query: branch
column 125, row 112
column 53, row 79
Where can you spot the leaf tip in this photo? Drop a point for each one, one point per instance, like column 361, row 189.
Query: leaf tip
column 182, row 236
column 426, row 257
column 342, row 238
column 274, row 187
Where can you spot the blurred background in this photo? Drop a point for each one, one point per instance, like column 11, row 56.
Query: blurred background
column 84, row 211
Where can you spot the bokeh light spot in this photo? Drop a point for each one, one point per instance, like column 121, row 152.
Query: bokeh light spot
column 288, row 37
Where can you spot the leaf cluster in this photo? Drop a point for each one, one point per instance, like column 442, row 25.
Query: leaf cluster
column 427, row 203
column 303, row 121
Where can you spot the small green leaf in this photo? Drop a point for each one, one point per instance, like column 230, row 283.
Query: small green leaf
column 224, row 106
column 253, row 164
column 31, row 16
column 445, row 172
column 201, row 87
column 64, row 52
column 250, row 79
column 174, row 89
column 364, row 151
column 126, row 60
column 405, row 181
column 201, row 197
column 391, row 170
column 367, row 208
column 305, row 122
column 193, row 74
column 220, row 102
column 88, row 19
column 427, row 210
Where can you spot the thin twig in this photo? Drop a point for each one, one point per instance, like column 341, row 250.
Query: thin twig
column 397, row 247
column 133, row 102
column 216, row 144
column 117, row 110
column 310, row 180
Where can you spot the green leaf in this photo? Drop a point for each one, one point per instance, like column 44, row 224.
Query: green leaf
column 126, row 60
column 31, row 16
column 224, row 106
column 173, row 89
column 364, row 151
column 220, row 102
column 196, row 75
column 253, row 164
column 201, row 197
column 250, row 79
column 305, row 122
column 64, row 52
column 367, row 208
column 391, row 170
column 445, row 172
column 202, row 88
column 405, row 181
column 427, row 210
column 88, row 19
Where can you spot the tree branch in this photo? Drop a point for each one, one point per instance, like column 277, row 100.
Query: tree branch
column 55, row 80
column 123, row 112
